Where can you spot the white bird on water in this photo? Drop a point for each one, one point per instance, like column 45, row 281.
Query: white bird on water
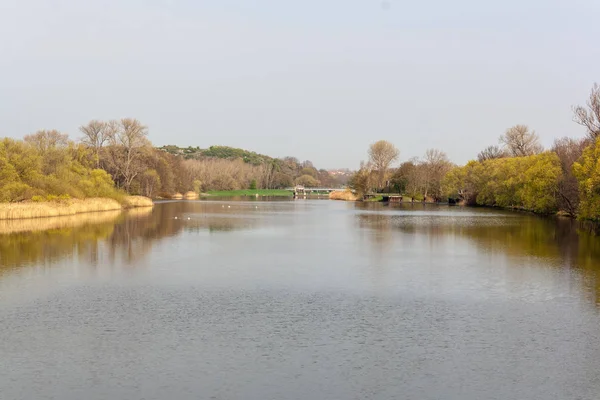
column 175, row 217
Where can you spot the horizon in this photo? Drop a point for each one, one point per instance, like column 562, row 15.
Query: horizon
column 315, row 81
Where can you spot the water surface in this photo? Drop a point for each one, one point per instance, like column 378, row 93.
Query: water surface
column 301, row 299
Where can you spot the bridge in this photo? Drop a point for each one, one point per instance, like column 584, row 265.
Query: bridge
column 303, row 191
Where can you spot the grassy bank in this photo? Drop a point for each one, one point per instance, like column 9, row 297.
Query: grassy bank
column 250, row 192
column 68, row 207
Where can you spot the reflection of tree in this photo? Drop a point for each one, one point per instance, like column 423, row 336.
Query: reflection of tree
column 552, row 239
column 125, row 237
column 25, row 242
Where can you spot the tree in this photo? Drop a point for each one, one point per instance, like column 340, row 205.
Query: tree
column 149, row 182
column 307, row 181
column 96, row 135
column 436, row 165
column 312, row 171
column 52, row 146
column 361, row 181
column 46, row 140
column 589, row 116
column 519, row 141
column 569, row 151
column 381, row 155
column 490, row 153
column 127, row 143
column 587, row 172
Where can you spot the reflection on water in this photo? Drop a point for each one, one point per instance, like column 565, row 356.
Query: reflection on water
column 299, row 299
column 129, row 234
column 560, row 243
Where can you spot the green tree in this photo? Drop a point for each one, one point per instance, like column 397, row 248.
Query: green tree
column 307, row 181
column 362, row 180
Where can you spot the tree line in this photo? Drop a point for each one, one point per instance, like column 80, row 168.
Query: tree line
column 515, row 173
column 115, row 157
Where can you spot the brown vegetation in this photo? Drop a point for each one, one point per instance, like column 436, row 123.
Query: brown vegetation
column 346, row 195
column 190, row 195
column 26, row 210
column 55, row 208
column 137, row 201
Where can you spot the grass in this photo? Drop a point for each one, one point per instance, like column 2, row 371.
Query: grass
column 251, row 192
column 68, row 207
column 376, row 198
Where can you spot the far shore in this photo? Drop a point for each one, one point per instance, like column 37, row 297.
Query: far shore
column 45, row 209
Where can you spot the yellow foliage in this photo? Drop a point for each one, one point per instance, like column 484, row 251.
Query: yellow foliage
column 528, row 183
column 587, row 172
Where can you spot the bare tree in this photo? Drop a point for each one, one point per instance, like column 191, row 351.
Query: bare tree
column 569, row 150
column 268, row 172
column 52, row 146
column 490, row 153
column 436, row 165
column 46, row 140
column 96, row 135
column 127, row 142
column 519, row 141
column 381, row 155
column 589, row 116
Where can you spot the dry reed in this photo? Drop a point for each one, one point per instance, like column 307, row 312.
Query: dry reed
column 137, row 201
column 346, row 195
column 56, row 209
column 190, row 195
column 177, row 196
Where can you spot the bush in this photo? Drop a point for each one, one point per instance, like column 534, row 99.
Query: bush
column 14, row 191
column 99, row 184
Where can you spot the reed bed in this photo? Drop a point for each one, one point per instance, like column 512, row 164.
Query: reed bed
column 56, row 209
column 177, row 196
column 9, row 211
column 137, row 201
column 9, row 226
column 345, row 195
column 190, row 196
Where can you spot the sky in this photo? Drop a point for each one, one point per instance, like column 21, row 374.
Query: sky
column 316, row 79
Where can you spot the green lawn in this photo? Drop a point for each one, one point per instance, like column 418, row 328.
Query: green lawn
column 249, row 192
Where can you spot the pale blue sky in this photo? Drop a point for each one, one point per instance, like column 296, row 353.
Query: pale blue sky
column 316, row 79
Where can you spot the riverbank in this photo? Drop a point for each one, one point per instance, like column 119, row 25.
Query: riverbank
column 69, row 207
column 347, row 195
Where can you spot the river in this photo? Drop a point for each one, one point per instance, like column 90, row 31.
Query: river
column 299, row 299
